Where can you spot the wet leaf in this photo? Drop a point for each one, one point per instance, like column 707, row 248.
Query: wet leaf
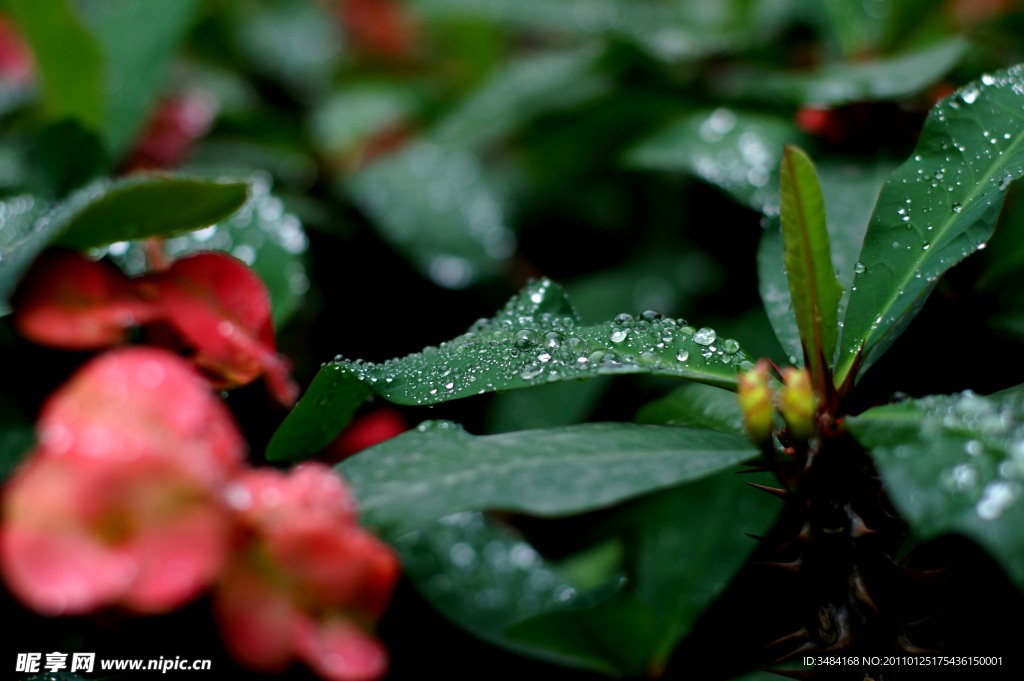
column 439, row 469
column 937, row 208
column 556, row 404
column 840, row 83
column 814, row 289
column 537, row 340
column 955, row 464
column 68, row 57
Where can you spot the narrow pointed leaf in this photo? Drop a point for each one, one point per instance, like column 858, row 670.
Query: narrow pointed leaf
column 537, row 339
column 439, row 469
column 850, row 192
column 936, row 209
column 952, row 464
column 813, row 286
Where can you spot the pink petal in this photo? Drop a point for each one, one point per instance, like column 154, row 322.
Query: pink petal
column 338, row 650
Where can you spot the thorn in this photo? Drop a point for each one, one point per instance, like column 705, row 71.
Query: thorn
column 775, row 366
column 918, row 576
column 796, row 653
column 754, row 536
column 788, row 673
column 788, row 567
column 800, row 635
column 909, row 647
column 759, row 469
column 858, row 528
column 860, row 590
column 780, row 493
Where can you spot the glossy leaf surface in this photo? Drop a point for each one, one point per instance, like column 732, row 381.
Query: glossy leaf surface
column 331, row 399
column 438, row 469
column 686, row 544
column 813, row 287
column 69, row 58
column 937, row 208
column 955, row 464
column 537, row 340
column 832, row 85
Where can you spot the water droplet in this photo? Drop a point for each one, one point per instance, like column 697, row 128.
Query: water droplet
column 682, row 355
column 1004, row 183
column 925, row 246
column 705, row 336
column 859, row 268
column 957, row 207
column 731, row 346
column 553, row 340
column 619, row 335
column 969, row 94
column 623, row 318
column 895, row 244
column 526, row 338
column 650, row 315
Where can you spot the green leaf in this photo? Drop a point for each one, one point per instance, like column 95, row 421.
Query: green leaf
column 953, row 464
column 142, row 207
column 71, row 155
column 439, row 469
column 327, row 406
column 850, row 192
column 686, row 545
column 813, row 287
column 938, row 207
column 695, row 406
column 841, row 83
column 261, row 233
column 484, row 577
column 734, row 150
column 69, row 59
column 556, row 404
column 138, row 38
column 27, row 231
column 536, row 340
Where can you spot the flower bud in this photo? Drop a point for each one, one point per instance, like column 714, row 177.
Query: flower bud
column 755, row 399
column 798, row 402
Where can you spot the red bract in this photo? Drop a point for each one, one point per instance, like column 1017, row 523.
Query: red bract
column 120, row 504
column 69, row 301
column 212, row 303
column 16, row 61
column 172, row 131
column 222, row 309
column 306, row 578
column 366, row 431
column 378, row 27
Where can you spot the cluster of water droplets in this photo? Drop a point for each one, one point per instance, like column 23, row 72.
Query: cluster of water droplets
column 537, row 338
column 990, row 471
column 472, row 567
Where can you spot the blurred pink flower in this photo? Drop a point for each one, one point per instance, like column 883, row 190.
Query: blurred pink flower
column 121, row 502
column 306, row 580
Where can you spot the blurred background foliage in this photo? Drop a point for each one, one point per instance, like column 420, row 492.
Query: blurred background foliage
column 415, row 162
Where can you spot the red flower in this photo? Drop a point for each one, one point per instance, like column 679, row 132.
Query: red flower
column 172, row 131
column 306, row 580
column 378, row 27
column 213, row 304
column 120, row 503
column 16, row 61
column 69, row 301
column 222, row 309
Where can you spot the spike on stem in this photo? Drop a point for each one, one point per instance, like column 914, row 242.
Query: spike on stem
column 788, row 567
column 780, row 493
column 799, row 635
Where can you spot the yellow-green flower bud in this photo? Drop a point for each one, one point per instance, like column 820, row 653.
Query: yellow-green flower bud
column 755, row 399
column 798, row 402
